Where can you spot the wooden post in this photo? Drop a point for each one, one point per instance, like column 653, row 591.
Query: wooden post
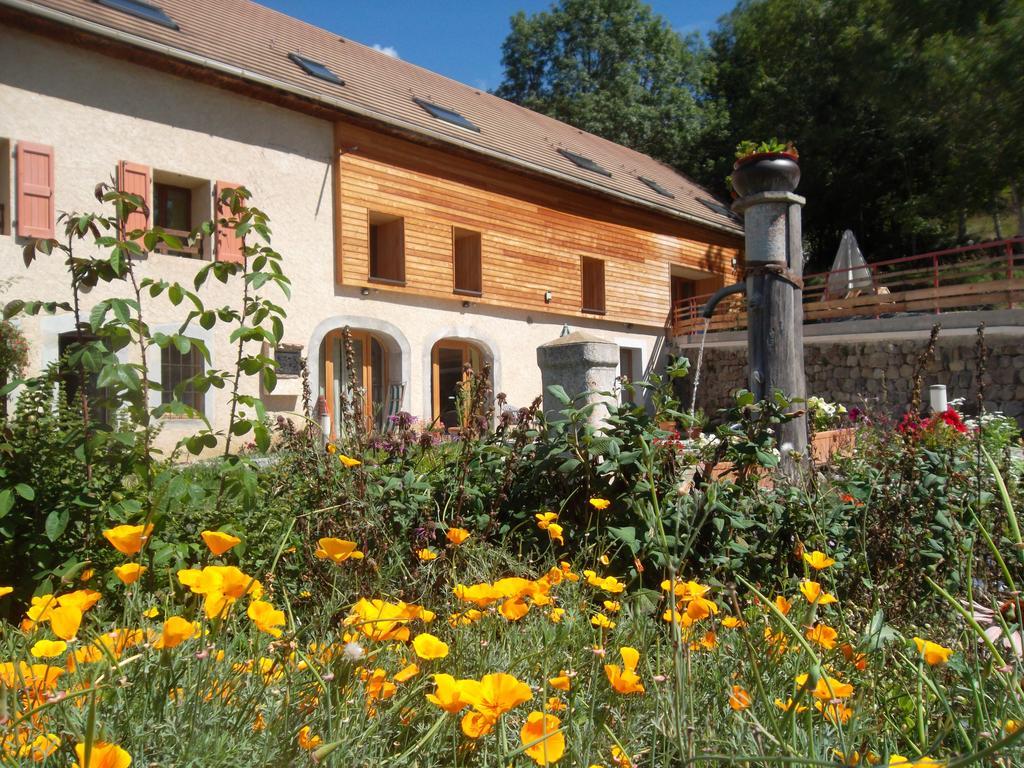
column 775, row 329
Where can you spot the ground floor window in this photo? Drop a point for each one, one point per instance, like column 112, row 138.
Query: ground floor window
column 73, row 376
column 358, row 387
column 176, row 368
column 450, row 361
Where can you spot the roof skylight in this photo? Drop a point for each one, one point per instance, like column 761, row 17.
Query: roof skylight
column 656, row 187
column 584, row 162
column 142, row 10
column 316, row 69
column 448, row 115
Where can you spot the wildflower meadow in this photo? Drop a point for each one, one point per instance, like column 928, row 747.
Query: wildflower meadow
column 531, row 591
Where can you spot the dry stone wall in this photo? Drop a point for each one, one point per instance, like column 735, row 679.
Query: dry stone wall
column 878, row 374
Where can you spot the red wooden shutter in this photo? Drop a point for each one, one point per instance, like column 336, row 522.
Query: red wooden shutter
column 137, row 180
column 229, row 246
column 35, row 190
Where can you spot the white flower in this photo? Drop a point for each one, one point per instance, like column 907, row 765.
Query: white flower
column 354, row 651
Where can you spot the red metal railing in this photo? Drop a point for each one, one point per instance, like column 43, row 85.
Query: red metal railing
column 991, row 276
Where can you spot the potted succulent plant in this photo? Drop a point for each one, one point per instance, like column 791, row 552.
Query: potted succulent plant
column 770, row 166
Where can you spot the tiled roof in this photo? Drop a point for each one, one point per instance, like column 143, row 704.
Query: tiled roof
column 242, row 35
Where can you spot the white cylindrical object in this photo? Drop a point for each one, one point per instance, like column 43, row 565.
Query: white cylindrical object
column 325, row 427
column 937, row 397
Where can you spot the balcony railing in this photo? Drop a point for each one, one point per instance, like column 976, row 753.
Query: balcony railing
column 985, row 276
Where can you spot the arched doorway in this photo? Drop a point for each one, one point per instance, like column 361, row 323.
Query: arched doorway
column 448, row 359
column 362, row 385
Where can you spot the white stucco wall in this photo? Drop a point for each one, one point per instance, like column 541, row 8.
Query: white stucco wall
column 96, row 111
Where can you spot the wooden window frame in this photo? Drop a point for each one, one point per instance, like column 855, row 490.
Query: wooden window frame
column 468, row 349
column 466, row 291
column 367, row 338
column 188, row 251
column 399, row 279
column 592, row 263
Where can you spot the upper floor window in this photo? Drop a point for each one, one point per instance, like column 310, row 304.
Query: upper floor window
column 172, row 208
column 387, row 248
column 466, row 259
column 176, row 368
column 593, row 285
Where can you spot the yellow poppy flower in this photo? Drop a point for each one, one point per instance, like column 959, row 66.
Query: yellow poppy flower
column 598, row 503
column 337, row 550
column 151, row 612
column 103, row 755
column 406, row 673
column 129, row 573
column 426, row 554
column 834, row 712
column 514, row 608
column 348, row 461
column 176, row 630
column 266, row 618
column 555, row 533
column 602, row 621
column 789, row 704
column 612, row 606
column 733, row 622
column 561, row 682
column 452, row 695
column 827, row 688
column 544, row 519
column 815, row 594
column 556, row 615
column 65, row 621
column 457, row 536
column 783, row 604
column 429, row 647
column 555, row 704
column 739, row 699
column 87, row 574
column 546, row 741
column 219, row 542
column 128, row 539
column 476, row 724
column 48, row 649
column 307, row 740
column 625, row 679
column 823, row 635
column 497, row 694
column 818, row 560
column 6, row 591
column 934, row 654
column 379, row 687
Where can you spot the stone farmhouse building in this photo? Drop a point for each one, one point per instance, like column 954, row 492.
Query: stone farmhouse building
column 441, row 224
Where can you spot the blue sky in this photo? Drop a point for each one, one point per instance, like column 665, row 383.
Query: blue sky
column 459, row 38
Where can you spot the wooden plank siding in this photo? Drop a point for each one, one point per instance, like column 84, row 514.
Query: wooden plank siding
column 533, row 234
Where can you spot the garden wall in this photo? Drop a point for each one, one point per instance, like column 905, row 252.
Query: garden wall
column 874, row 370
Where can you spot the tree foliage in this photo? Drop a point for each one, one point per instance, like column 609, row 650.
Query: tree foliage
column 907, row 114
column 616, row 69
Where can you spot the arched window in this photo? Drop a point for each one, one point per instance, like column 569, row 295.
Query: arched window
column 363, row 385
column 449, row 359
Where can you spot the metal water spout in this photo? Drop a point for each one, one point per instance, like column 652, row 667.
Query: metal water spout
column 717, row 296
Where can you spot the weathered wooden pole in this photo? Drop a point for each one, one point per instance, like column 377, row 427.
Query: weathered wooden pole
column 775, row 330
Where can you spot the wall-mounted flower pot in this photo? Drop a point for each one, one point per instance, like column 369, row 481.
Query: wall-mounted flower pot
column 765, row 172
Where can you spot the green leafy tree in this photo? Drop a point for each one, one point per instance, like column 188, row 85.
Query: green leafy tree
column 906, row 114
column 616, row 69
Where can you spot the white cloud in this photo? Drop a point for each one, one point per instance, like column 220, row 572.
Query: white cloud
column 387, row 50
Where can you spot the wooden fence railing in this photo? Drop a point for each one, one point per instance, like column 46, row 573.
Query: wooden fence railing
column 985, row 276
